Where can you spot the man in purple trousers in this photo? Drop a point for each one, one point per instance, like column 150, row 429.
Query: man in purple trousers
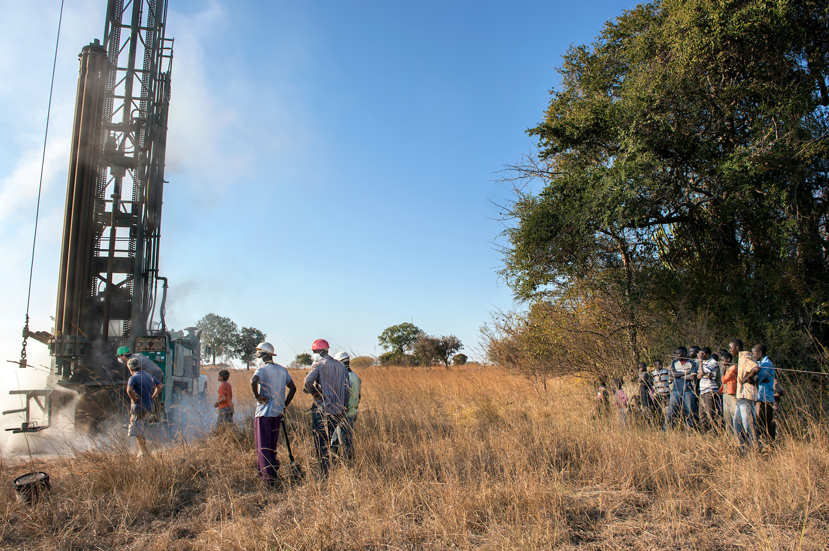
column 268, row 384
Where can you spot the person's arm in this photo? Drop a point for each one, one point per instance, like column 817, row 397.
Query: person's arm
column 254, row 386
column 133, row 396
column 312, row 383
column 291, row 391
column 749, row 374
column 157, row 389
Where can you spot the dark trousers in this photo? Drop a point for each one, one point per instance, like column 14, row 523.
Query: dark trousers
column 766, row 427
column 266, row 435
column 323, row 426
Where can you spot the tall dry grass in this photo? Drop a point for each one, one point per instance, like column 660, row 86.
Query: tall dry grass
column 471, row 458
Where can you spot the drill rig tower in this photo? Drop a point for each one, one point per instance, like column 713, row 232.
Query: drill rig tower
column 108, row 286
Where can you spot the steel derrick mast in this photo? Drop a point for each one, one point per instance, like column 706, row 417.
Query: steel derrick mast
column 108, row 278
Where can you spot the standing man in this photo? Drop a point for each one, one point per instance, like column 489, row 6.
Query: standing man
column 345, row 432
column 147, row 366
column 744, row 417
column 766, row 427
column 645, row 389
column 661, row 389
column 707, row 375
column 327, row 382
column 141, row 388
column 268, row 383
column 683, row 398
column 729, row 390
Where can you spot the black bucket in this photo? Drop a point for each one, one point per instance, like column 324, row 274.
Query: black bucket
column 30, row 487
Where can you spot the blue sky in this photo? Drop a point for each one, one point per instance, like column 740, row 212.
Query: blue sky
column 333, row 167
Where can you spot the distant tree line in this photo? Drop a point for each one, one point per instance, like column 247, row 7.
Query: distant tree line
column 406, row 344
column 684, row 171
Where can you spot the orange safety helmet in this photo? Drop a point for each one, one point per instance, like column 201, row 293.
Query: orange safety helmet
column 320, row 344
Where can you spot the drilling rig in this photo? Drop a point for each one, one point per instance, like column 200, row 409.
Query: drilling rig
column 108, row 284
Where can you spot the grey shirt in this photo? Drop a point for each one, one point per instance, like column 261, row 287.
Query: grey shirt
column 148, row 366
column 328, row 380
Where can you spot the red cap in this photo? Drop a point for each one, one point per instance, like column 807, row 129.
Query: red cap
column 320, row 344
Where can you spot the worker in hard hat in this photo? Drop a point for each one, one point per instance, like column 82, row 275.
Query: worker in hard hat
column 328, row 383
column 151, row 368
column 146, row 364
column 268, row 383
column 344, row 435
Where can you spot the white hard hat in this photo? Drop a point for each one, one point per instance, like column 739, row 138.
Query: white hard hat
column 265, row 349
column 342, row 357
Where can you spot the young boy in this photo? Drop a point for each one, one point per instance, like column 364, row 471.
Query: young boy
column 707, row 376
column 225, row 401
column 729, row 390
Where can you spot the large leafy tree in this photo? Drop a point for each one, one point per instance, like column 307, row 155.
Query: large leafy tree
column 219, row 335
column 244, row 345
column 399, row 338
column 685, row 160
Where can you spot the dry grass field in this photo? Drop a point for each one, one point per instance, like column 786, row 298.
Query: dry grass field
column 470, row 458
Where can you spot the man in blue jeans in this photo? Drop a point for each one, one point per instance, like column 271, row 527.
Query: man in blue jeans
column 766, row 427
column 744, row 417
column 683, row 398
column 328, row 383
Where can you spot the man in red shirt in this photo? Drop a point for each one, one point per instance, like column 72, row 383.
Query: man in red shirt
column 225, row 401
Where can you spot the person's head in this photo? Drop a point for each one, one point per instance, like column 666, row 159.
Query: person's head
column 643, row 367
column 618, row 383
column 134, row 365
column 123, row 354
column 657, row 364
column 704, row 353
column 681, row 353
column 726, row 356
column 735, row 347
column 344, row 358
column 758, row 352
column 320, row 347
column 224, row 375
column 693, row 351
column 265, row 351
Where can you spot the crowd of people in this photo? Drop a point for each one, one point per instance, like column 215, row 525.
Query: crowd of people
column 727, row 390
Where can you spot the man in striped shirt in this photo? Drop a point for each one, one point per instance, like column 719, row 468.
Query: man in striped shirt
column 328, row 383
column 661, row 388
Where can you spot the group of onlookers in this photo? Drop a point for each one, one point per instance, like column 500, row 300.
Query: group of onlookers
column 727, row 390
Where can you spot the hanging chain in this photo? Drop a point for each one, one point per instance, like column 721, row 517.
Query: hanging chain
column 25, row 337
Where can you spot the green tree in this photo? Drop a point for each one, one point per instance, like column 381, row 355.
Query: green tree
column 219, row 334
column 431, row 350
column 684, row 160
column 245, row 343
column 399, row 338
column 304, row 359
column 459, row 359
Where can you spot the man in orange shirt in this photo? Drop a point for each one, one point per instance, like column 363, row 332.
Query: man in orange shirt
column 729, row 390
column 225, row 401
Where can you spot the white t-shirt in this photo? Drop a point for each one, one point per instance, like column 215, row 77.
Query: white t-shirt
column 272, row 381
